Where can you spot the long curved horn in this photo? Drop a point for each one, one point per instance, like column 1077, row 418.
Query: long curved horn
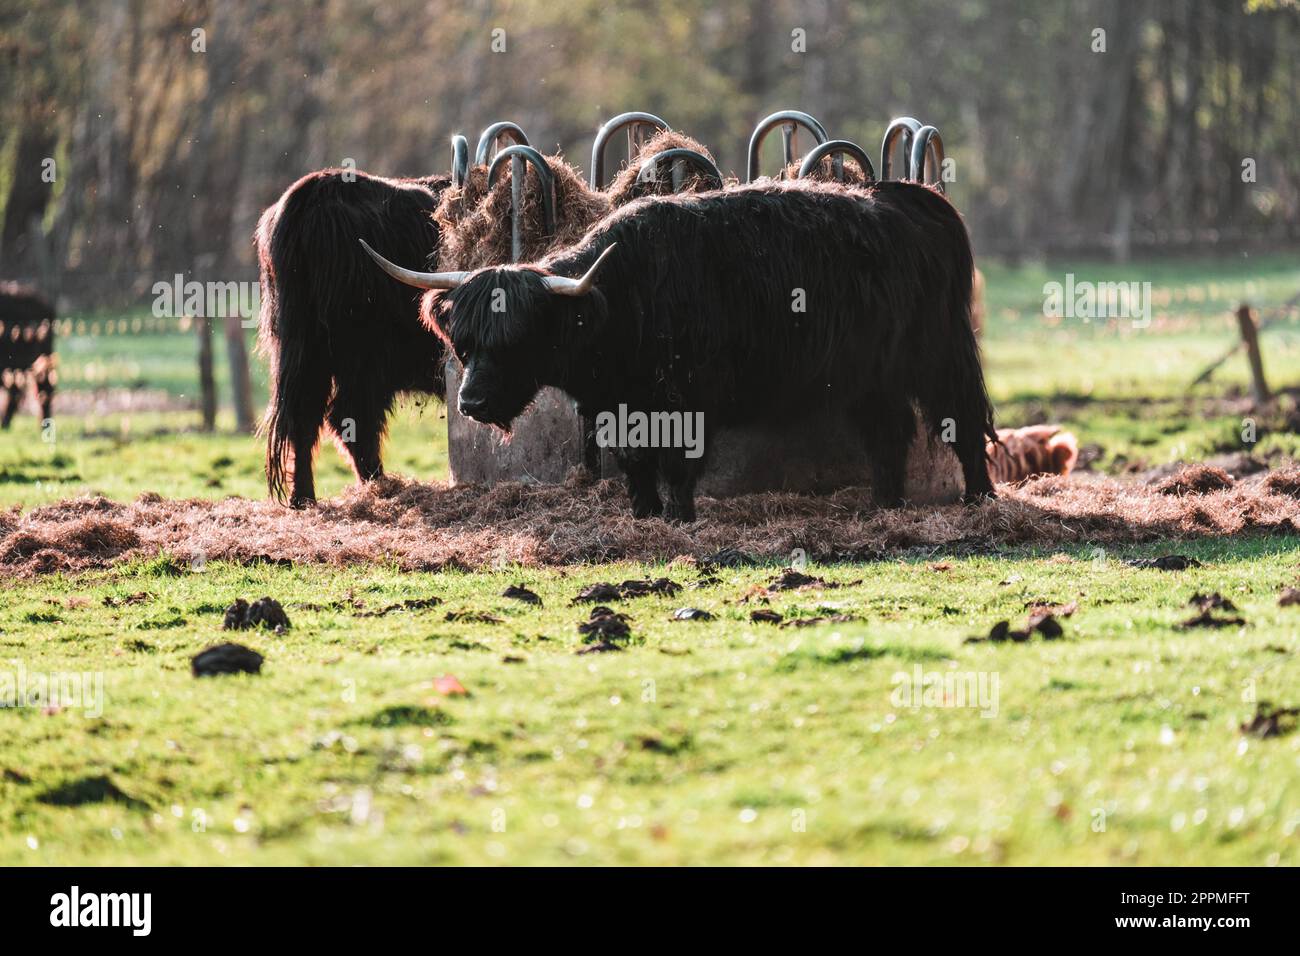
column 421, row 280
column 562, row 285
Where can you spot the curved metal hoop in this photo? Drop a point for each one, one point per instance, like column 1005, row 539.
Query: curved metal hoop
column 790, row 121
column 906, row 127
column 635, row 123
column 837, row 148
column 490, row 137
column 519, row 157
column 927, row 152
column 459, row 160
column 680, row 157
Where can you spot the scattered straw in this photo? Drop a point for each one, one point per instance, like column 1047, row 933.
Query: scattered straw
column 430, row 526
column 1285, row 482
column 1195, row 479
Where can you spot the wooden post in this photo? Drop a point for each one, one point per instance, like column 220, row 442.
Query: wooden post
column 207, row 383
column 1250, row 338
column 240, row 383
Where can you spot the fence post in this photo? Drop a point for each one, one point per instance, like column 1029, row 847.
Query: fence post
column 1250, row 338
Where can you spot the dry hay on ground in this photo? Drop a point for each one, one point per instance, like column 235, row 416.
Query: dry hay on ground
column 431, row 526
column 1198, row 479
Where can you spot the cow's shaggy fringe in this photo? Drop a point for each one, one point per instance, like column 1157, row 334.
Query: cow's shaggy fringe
column 431, row 527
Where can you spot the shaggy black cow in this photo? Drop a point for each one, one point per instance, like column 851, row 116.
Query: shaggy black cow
column 26, row 348
column 341, row 340
column 744, row 305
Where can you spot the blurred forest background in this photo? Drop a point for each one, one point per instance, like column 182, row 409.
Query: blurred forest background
column 164, row 154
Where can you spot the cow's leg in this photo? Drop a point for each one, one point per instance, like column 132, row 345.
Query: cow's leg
column 45, row 391
column 971, row 451
column 642, row 482
column 681, row 498
column 13, row 400
column 358, row 419
column 680, row 475
column 887, row 426
column 682, row 467
column 308, row 417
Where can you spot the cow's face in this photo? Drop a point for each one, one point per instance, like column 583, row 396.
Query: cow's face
column 501, row 326
column 513, row 329
column 498, row 384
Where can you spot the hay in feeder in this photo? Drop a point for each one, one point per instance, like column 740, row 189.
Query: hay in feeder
column 853, row 174
column 475, row 220
column 625, row 188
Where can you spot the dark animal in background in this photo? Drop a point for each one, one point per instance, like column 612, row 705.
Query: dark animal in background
column 26, row 349
column 686, row 304
column 342, row 340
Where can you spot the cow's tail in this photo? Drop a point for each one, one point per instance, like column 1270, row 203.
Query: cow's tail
column 286, row 338
column 969, row 389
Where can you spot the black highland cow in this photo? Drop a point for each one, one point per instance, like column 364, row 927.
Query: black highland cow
column 749, row 304
column 26, row 348
column 341, row 339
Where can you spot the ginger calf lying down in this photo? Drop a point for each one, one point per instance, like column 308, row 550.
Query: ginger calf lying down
column 1022, row 453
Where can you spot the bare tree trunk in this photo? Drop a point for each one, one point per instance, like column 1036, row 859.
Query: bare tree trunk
column 207, row 382
column 240, row 382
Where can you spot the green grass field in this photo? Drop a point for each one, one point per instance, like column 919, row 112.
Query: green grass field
column 720, row 741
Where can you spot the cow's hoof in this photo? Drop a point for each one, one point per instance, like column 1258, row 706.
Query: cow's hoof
column 647, row 509
column 679, row 514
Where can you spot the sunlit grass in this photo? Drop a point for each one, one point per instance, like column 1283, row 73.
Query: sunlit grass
column 724, row 741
